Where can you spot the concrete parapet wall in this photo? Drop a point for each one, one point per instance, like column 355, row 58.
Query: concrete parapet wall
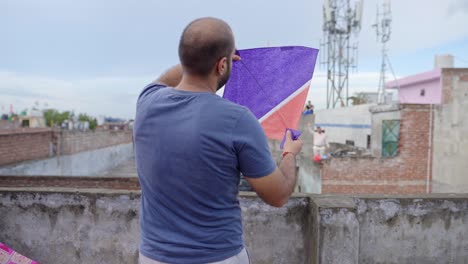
column 60, row 225
column 427, row 230
column 78, row 182
column 277, row 235
column 101, row 226
column 67, row 227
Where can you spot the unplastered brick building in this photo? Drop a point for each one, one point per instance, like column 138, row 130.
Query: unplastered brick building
column 418, row 146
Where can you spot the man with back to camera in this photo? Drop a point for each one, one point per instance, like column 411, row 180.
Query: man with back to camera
column 191, row 146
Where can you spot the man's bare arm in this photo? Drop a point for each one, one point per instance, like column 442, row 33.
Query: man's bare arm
column 288, row 168
column 276, row 188
column 171, row 77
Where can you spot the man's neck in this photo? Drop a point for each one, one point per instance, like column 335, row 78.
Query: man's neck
column 196, row 84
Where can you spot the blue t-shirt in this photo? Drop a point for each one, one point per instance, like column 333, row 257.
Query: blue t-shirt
column 190, row 148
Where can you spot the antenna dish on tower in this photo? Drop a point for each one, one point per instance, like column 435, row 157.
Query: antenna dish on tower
column 327, row 11
column 359, row 8
column 383, row 32
column 340, row 21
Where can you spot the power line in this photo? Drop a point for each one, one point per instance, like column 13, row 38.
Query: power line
column 461, row 60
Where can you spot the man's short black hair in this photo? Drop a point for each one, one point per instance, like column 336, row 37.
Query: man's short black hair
column 203, row 42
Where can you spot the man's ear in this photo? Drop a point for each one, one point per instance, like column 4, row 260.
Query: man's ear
column 221, row 66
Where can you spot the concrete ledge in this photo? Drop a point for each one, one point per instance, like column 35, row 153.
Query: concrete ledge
column 66, row 225
column 385, row 108
column 13, row 132
column 123, row 183
column 391, row 229
column 96, row 225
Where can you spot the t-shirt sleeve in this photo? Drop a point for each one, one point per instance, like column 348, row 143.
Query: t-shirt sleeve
column 253, row 153
column 150, row 88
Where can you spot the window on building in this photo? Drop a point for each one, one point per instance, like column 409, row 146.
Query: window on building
column 25, row 123
column 390, row 137
column 368, row 141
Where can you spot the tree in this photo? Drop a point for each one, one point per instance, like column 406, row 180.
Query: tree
column 92, row 121
column 53, row 117
column 358, row 99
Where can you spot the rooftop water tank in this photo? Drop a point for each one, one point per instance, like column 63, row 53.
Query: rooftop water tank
column 443, row 61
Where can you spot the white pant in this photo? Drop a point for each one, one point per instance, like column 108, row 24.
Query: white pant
column 319, row 150
column 241, row 258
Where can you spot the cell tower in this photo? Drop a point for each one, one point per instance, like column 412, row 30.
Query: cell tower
column 383, row 30
column 340, row 22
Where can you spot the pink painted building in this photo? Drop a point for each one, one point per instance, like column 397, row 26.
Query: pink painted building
column 423, row 88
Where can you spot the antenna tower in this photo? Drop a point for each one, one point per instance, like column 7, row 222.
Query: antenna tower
column 383, row 30
column 340, row 21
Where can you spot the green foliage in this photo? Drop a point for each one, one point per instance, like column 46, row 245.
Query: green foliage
column 13, row 117
column 83, row 117
column 92, row 121
column 358, row 99
column 93, row 124
column 55, row 118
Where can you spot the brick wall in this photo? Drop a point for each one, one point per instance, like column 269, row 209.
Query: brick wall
column 406, row 173
column 22, row 145
column 33, row 144
column 74, row 142
column 5, row 124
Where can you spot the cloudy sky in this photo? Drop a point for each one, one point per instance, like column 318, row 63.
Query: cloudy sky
column 95, row 56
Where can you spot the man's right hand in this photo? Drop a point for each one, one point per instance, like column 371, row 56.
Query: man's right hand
column 276, row 188
column 290, row 145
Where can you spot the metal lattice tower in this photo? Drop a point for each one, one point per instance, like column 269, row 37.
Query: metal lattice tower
column 341, row 22
column 383, row 31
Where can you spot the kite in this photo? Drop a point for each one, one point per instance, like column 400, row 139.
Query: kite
column 9, row 256
column 273, row 83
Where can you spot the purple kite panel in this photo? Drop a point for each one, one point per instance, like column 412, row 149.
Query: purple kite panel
column 264, row 77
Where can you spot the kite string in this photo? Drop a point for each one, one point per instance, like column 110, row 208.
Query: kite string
column 261, row 87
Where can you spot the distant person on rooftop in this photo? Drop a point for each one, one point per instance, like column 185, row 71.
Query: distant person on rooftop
column 190, row 148
column 320, row 142
column 309, row 108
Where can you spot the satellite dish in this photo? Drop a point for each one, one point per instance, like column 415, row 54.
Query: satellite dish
column 387, row 5
column 327, row 9
column 359, row 10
